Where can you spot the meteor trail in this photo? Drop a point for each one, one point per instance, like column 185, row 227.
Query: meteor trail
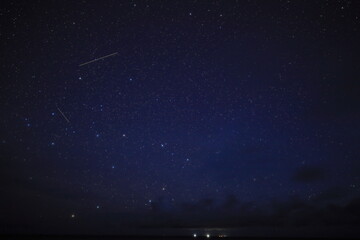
column 97, row 59
column 63, row 115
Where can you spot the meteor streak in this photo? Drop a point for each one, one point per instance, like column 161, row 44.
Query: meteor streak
column 97, row 59
column 63, row 115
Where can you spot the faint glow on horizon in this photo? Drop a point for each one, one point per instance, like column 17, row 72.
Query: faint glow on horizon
column 207, row 235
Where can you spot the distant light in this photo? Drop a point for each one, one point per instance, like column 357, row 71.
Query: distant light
column 207, row 235
column 194, row 235
column 112, row 167
column 97, row 206
column 72, row 215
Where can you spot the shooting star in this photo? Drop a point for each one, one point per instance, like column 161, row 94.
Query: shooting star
column 97, row 59
column 63, row 115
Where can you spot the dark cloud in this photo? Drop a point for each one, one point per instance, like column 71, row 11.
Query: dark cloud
column 162, row 205
column 231, row 202
column 354, row 207
column 332, row 194
column 234, row 213
column 309, row 174
column 205, row 204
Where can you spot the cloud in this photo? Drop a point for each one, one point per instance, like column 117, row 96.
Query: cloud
column 354, row 207
column 231, row 212
column 231, row 202
column 308, row 174
column 332, row 194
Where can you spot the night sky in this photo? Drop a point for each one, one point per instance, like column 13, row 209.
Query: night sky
column 206, row 114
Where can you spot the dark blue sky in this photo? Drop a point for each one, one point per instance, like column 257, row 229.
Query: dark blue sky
column 248, row 110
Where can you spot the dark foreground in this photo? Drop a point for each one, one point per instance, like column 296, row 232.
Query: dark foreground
column 84, row 237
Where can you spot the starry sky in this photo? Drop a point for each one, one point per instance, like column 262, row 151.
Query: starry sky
column 206, row 114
